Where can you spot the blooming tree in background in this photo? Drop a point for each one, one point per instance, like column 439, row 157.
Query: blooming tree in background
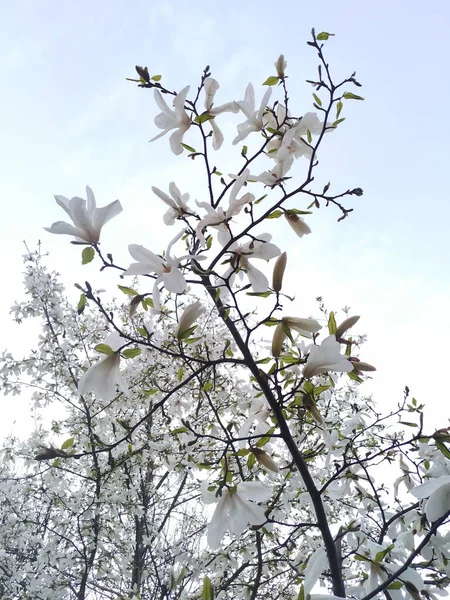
column 210, row 443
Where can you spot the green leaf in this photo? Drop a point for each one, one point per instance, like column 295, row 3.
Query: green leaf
column 87, row 255
column 156, row 78
column 355, row 377
column 180, row 374
column 104, row 349
column 301, row 593
column 142, row 331
column 324, row 35
column 68, row 444
column 179, row 430
column 321, row 388
column 350, row 96
column 332, row 327
column 208, row 386
column 395, row 585
column 408, row 424
column 251, row 461
column 317, row 99
column 336, row 123
column 272, row 80
column 271, row 322
column 443, row 448
column 218, row 173
column 309, row 136
column 276, row 214
column 260, row 294
column 380, row 556
column 266, row 438
column 151, row 392
column 131, row 352
column 81, row 304
column 190, row 148
column 308, row 388
column 126, row 290
column 203, row 118
column 244, row 150
column 339, row 107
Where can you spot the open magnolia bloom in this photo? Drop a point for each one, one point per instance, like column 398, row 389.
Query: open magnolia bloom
column 326, row 357
column 176, row 202
column 235, row 510
column 255, row 118
column 297, row 223
column 103, row 378
column 210, row 87
column 261, row 249
column 169, row 119
column 88, row 220
column 166, row 268
column 218, row 218
column 438, row 493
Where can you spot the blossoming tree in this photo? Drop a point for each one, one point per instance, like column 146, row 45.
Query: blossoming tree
column 217, row 447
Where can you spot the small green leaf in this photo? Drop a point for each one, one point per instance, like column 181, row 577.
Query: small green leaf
column 81, row 304
column 67, row 444
column 156, row 78
column 244, row 150
column 350, row 96
column 203, row 118
column 208, row 589
column 355, row 377
column 151, row 392
column 443, row 448
column 271, row 322
column 87, row 255
column 380, row 556
column 272, row 80
column 336, row 123
column 180, row 374
column 189, row 148
column 266, row 438
column 339, row 107
column 208, row 386
column 332, row 327
column 321, row 388
column 251, row 461
column 131, row 352
column 126, row 290
column 309, row 136
column 317, row 99
column 395, row 585
column 179, row 430
column 104, row 349
column 276, row 214
column 408, row 424
column 301, row 593
column 323, row 36
column 218, row 173
column 142, row 331
column 260, row 294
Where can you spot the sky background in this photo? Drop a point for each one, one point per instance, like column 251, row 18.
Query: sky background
column 69, row 119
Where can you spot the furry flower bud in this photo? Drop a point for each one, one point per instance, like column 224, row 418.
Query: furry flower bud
column 278, row 272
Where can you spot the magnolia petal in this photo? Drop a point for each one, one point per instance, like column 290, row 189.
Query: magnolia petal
column 316, row 565
column 219, row 522
column 61, row 227
column 90, row 200
column 147, row 258
column 258, row 280
column 426, row 489
column 174, row 281
column 104, row 214
column 438, row 504
column 176, row 139
column 255, row 490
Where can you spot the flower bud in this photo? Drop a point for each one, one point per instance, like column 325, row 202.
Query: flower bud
column 345, row 325
column 280, row 66
column 362, row 366
column 278, row 272
column 265, row 460
column 305, row 327
column 278, row 338
column 311, row 407
column 297, row 224
column 134, row 304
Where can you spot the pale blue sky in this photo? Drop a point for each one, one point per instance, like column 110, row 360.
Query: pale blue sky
column 69, row 118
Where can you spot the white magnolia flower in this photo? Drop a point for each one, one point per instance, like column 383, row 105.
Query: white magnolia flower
column 261, row 249
column 255, row 118
column 277, row 174
column 326, row 357
column 190, row 314
column 211, row 86
column 177, row 203
column 297, row 223
column 218, row 218
column 235, row 510
column 438, row 493
column 169, row 119
column 88, row 220
column 103, row 378
column 166, row 268
column 280, row 66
